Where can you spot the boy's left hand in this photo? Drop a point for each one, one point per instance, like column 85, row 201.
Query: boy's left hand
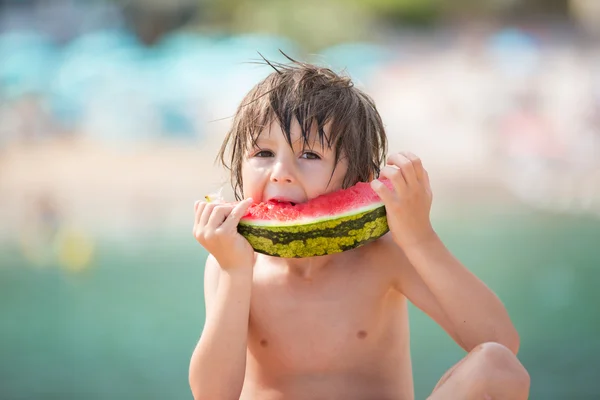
column 409, row 204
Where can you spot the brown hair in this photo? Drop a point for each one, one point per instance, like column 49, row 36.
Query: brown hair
column 312, row 95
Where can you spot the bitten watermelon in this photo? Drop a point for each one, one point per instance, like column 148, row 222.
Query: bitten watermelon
column 328, row 224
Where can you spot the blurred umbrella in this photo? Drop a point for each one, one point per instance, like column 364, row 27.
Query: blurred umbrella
column 102, row 41
column 28, row 62
column 244, row 52
column 360, row 60
column 247, row 46
column 93, row 64
column 215, row 71
column 515, row 52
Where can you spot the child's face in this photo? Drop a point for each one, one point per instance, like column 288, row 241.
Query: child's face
column 273, row 170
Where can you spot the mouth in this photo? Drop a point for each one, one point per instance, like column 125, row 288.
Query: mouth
column 282, row 201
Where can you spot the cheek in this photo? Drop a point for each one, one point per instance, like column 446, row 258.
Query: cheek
column 251, row 183
column 323, row 184
column 339, row 174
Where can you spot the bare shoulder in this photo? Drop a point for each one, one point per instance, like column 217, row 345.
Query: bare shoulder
column 385, row 250
column 386, row 254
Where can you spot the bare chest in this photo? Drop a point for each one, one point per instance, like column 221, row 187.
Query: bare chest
column 329, row 323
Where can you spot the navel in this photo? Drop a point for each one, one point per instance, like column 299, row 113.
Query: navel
column 264, row 343
column 361, row 334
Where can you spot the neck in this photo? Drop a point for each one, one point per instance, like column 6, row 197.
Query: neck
column 307, row 268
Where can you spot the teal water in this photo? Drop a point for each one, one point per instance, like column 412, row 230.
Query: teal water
column 125, row 327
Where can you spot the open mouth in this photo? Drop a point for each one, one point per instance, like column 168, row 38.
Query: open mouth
column 282, row 202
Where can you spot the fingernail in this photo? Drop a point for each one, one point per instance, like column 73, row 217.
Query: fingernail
column 375, row 184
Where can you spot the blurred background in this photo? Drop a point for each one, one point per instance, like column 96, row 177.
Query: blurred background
column 111, row 113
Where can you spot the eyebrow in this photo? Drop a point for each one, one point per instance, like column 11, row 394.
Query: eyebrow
column 261, row 139
column 311, row 143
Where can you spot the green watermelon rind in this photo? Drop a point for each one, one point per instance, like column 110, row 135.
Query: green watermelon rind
column 333, row 235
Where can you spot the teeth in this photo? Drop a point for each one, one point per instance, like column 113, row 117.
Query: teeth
column 284, row 202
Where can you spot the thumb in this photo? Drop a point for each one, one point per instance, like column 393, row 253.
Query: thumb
column 237, row 213
column 383, row 191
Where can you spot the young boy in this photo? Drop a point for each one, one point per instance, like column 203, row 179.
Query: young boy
column 335, row 326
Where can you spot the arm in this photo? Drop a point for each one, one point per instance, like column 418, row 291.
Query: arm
column 430, row 276
column 438, row 284
column 218, row 363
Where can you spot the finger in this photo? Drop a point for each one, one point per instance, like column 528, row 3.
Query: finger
column 199, row 209
column 218, row 216
column 405, row 166
column 208, row 209
column 416, row 163
column 396, row 159
column 395, row 176
column 236, row 214
column 386, row 194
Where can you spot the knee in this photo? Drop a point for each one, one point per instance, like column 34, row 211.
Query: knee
column 500, row 361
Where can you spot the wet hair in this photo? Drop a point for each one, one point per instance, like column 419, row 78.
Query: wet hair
column 314, row 96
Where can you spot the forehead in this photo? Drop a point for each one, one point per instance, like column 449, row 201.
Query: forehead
column 295, row 133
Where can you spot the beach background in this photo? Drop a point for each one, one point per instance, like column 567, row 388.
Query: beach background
column 111, row 114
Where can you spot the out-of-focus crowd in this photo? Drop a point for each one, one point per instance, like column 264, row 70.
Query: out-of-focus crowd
column 99, row 119
column 521, row 108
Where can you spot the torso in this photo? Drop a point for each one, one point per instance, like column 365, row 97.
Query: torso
column 341, row 334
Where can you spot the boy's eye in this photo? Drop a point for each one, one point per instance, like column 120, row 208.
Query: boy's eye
column 309, row 155
column 264, row 153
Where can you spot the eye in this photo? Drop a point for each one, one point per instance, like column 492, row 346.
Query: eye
column 309, row 155
column 264, row 153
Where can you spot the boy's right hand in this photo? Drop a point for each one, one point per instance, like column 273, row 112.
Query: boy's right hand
column 215, row 228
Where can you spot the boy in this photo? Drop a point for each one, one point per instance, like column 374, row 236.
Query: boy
column 335, row 326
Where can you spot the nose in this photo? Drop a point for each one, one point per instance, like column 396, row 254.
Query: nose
column 282, row 172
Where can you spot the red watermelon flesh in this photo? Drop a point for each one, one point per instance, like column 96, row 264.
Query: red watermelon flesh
column 358, row 198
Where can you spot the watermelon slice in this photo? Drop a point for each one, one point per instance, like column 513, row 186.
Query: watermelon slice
column 331, row 223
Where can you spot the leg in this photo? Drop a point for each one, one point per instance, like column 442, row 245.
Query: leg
column 489, row 372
